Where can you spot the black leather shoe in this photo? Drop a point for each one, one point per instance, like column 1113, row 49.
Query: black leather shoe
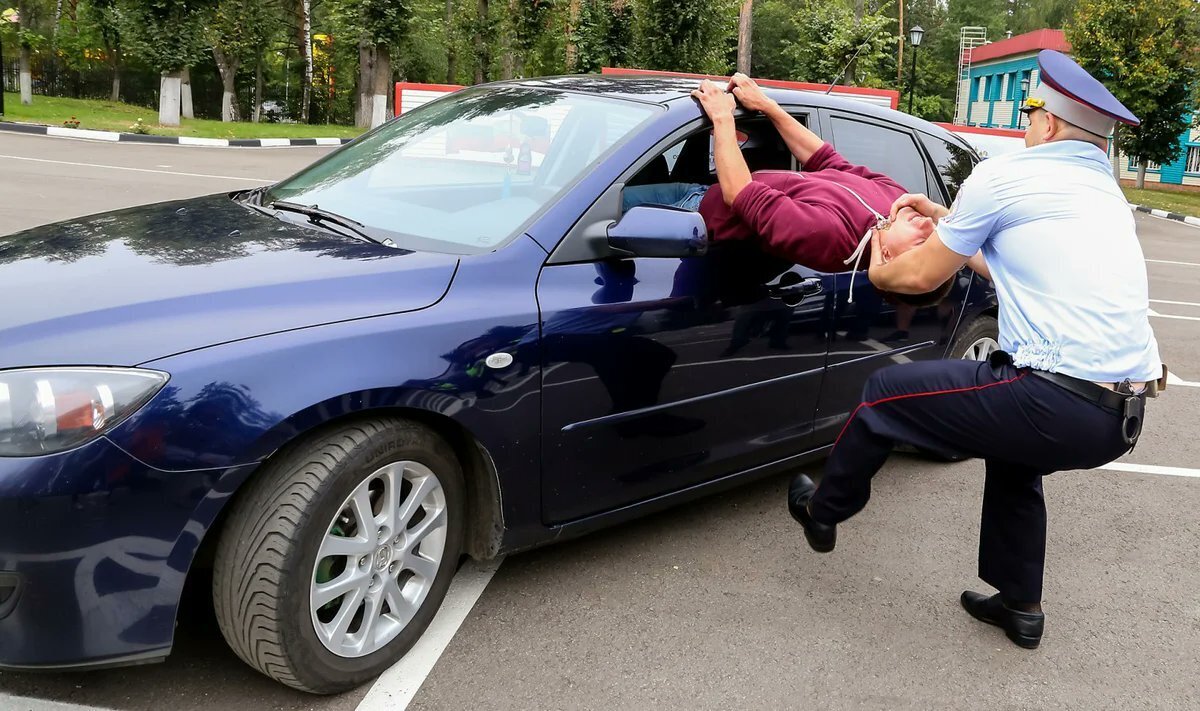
column 1023, row 628
column 821, row 537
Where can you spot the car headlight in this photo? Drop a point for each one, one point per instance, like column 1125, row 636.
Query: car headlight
column 48, row 410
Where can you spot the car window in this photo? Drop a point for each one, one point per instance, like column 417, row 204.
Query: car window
column 953, row 163
column 884, row 150
column 468, row 171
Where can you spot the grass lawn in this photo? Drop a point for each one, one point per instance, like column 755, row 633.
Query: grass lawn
column 1183, row 203
column 116, row 116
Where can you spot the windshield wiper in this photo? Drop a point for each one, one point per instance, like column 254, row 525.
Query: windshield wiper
column 253, row 200
column 317, row 216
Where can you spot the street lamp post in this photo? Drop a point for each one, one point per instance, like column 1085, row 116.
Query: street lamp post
column 1024, row 93
column 915, row 33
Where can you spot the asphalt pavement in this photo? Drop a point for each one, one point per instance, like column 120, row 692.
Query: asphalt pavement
column 720, row 603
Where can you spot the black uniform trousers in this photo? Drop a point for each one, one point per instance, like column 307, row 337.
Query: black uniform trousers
column 1023, row 426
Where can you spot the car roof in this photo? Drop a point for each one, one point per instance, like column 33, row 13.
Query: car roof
column 666, row 90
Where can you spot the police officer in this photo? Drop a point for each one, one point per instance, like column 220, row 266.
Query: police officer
column 1051, row 228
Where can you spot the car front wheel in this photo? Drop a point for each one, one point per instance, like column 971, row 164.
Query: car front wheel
column 336, row 558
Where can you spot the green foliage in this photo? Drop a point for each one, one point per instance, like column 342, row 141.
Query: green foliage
column 827, row 37
column 242, row 29
column 685, row 35
column 384, row 23
column 604, row 35
column 167, row 34
column 1126, row 44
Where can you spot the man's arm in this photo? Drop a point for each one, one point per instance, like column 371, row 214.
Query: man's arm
column 979, row 265
column 917, row 271
column 732, row 171
column 802, row 142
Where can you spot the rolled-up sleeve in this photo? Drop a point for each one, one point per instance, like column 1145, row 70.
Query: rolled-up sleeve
column 972, row 217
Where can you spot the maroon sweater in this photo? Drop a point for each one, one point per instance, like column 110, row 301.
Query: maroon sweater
column 804, row 217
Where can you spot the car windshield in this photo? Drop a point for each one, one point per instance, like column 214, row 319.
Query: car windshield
column 466, row 172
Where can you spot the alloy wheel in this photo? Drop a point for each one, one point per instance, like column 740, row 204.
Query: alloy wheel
column 378, row 559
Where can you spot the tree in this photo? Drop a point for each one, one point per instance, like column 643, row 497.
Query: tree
column 685, row 35
column 31, row 34
column 104, row 17
column 529, row 21
column 381, row 27
column 1146, row 53
column 745, row 35
column 602, row 34
column 238, row 32
column 169, row 36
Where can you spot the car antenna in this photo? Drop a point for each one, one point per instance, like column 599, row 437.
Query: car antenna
column 842, row 73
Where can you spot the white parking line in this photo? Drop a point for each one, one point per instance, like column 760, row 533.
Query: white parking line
column 1173, row 379
column 1152, row 469
column 1179, row 318
column 396, row 687
column 1164, row 261
column 1176, row 303
column 25, row 703
column 139, row 170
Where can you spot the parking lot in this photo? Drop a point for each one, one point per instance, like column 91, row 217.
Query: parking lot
column 720, row 603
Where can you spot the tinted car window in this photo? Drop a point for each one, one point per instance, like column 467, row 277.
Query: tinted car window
column 953, row 163
column 881, row 149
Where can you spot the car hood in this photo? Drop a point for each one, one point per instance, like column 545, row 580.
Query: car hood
column 126, row 287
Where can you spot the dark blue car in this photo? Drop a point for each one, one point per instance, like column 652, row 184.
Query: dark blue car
column 446, row 338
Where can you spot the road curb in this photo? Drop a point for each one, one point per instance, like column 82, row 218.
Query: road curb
column 1186, row 219
column 63, row 132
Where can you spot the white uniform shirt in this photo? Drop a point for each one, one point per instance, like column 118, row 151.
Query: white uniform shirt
column 1059, row 239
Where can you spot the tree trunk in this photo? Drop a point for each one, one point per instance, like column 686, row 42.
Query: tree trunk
column 227, row 66
column 26, row 80
column 256, row 113
column 745, row 35
column 1116, row 151
column 451, row 51
column 367, row 58
column 1141, row 175
column 482, row 60
column 186, row 109
column 116, row 74
column 508, row 58
column 168, row 98
column 383, row 80
column 900, row 47
column 572, row 25
column 304, row 40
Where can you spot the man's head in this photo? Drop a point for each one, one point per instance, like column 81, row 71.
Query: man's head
column 909, row 229
column 1045, row 127
column 1070, row 104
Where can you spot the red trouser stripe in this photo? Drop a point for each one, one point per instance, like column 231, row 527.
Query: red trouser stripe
column 973, row 388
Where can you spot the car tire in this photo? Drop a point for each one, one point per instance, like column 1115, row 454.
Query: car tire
column 294, row 538
column 979, row 341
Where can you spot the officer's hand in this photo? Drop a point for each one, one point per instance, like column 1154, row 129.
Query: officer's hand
column 918, row 202
column 748, row 93
column 716, row 102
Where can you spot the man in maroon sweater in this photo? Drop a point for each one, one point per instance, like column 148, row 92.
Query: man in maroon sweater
column 814, row 218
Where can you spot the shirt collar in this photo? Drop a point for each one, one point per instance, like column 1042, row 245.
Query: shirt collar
column 1079, row 150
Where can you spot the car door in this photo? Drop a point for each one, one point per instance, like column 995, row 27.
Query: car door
column 871, row 331
column 660, row 374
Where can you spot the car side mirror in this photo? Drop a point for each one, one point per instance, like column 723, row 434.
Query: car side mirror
column 659, row 231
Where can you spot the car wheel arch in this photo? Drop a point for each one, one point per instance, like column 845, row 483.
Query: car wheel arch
column 485, row 518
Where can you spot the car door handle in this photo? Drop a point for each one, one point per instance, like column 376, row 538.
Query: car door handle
column 793, row 292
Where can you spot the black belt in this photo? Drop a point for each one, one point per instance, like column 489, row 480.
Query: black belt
column 1087, row 390
column 1123, row 401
